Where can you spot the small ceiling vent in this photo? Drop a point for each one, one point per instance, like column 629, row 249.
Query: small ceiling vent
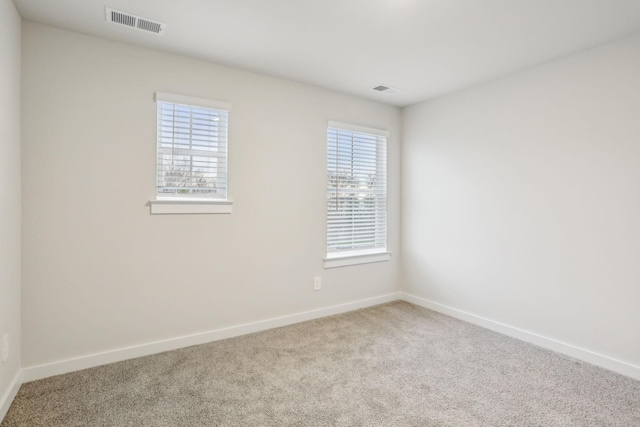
column 386, row 89
column 133, row 21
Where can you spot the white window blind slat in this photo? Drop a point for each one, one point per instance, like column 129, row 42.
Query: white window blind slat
column 356, row 189
column 192, row 147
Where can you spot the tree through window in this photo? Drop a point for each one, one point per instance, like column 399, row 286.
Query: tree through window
column 356, row 190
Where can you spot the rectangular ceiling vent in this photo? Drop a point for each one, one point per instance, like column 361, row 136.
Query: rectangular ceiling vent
column 133, row 21
column 386, row 89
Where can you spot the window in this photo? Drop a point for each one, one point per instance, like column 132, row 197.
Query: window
column 191, row 172
column 356, row 195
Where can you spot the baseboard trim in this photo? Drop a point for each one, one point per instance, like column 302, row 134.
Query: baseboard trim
column 89, row 361
column 594, row 358
column 33, row 373
column 10, row 394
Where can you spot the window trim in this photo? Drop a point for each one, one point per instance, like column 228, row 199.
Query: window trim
column 192, row 101
column 365, row 256
column 179, row 204
column 354, row 258
column 357, row 128
column 190, row 206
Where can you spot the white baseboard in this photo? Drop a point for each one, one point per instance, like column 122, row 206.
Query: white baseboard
column 10, row 394
column 601, row 360
column 33, row 373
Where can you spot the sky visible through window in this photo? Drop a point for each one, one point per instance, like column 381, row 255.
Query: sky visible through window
column 192, row 150
column 356, row 191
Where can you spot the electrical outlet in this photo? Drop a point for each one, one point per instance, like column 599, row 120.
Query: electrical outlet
column 5, row 348
column 317, row 283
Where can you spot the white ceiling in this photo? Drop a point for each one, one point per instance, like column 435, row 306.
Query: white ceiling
column 425, row 47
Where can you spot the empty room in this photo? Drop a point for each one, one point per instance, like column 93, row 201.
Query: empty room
column 319, row 213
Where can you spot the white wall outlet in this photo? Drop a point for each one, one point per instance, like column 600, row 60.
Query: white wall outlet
column 317, row 283
column 5, row 348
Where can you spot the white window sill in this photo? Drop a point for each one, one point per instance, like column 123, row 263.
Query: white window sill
column 344, row 260
column 190, row 206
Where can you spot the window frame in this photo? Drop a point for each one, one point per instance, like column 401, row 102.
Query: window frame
column 192, row 203
column 366, row 255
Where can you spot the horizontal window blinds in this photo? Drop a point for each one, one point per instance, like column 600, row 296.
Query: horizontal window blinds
column 356, row 190
column 192, row 150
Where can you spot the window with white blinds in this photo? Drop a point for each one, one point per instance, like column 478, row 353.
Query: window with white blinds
column 356, row 190
column 192, row 147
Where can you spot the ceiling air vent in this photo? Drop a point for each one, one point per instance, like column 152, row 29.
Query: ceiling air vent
column 386, row 89
column 133, row 21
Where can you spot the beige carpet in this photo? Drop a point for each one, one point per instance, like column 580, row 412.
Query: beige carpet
column 390, row 365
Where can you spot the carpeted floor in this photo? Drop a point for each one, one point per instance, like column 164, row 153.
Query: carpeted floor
column 391, row 365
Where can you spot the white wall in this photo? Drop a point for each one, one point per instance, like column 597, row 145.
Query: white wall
column 100, row 273
column 521, row 200
column 10, row 205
